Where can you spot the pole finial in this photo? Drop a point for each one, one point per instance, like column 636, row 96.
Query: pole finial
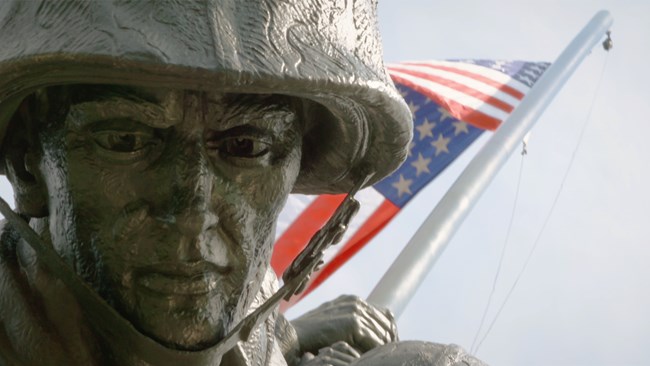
column 608, row 44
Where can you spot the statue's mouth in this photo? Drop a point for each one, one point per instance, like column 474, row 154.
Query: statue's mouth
column 184, row 278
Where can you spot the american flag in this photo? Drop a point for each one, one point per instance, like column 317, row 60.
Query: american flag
column 453, row 103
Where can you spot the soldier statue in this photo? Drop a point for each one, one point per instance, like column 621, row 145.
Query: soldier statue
column 151, row 146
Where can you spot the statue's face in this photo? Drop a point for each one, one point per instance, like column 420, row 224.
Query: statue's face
column 166, row 201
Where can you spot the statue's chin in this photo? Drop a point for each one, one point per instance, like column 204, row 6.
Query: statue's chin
column 201, row 344
column 185, row 335
column 181, row 321
column 182, row 324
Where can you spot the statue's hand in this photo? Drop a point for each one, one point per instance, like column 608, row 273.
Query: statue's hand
column 348, row 319
column 339, row 354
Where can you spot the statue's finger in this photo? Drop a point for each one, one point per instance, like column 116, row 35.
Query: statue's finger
column 334, row 356
column 344, row 347
column 391, row 318
column 384, row 320
column 375, row 325
column 367, row 334
column 306, row 357
column 327, row 361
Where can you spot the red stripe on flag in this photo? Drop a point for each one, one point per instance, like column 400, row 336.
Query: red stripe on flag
column 373, row 225
column 503, row 87
column 497, row 103
column 476, row 118
column 460, row 111
column 297, row 236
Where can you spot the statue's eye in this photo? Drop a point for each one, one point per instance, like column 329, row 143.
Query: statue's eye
column 238, row 143
column 242, row 147
column 123, row 141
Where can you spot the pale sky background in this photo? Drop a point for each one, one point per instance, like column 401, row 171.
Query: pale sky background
column 584, row 299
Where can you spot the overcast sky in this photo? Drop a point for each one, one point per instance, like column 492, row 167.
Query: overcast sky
column 584, row 298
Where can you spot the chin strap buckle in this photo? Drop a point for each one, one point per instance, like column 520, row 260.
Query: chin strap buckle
column 296, row 277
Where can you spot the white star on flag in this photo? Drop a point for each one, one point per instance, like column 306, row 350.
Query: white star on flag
column 444, row 114
column 413, row 107
column 526, row 79
column 411, row 146
column 425, row 129
column 536, row 68
column 530, row 73
column 441, row 144
column 499, row 65
column 421, row 165
column 460, row 126
column 403, row 185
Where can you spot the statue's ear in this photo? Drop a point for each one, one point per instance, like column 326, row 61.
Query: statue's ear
column 21, row 155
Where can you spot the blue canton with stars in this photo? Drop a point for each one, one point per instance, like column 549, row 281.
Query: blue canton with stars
column 438, row 138
column 523, row 71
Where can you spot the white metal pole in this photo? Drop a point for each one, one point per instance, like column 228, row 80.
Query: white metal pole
column 400, row 282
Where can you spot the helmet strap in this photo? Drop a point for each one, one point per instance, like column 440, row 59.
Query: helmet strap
column 121, row 333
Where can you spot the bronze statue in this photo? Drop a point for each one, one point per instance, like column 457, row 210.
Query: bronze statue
column 151, row 145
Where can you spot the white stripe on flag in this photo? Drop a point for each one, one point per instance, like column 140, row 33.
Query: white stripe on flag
column 455, row 95
column 495, row 75
column 461, row 79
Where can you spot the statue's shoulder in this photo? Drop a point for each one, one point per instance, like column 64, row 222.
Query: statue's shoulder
column 8, row 239
column 26, row 335
column 9, row 268
column 8, row 265
column 8, row 294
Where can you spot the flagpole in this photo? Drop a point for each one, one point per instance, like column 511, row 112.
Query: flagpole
column 401, row 281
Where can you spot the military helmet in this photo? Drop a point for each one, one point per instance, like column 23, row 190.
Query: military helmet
column 328, row 52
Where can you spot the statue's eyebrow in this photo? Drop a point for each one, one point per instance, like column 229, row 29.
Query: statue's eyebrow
column 148, row 113
column 262, row 110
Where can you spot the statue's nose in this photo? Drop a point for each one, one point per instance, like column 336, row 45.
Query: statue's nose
column 192, row 210
column 195, row 191
column 190, row 203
